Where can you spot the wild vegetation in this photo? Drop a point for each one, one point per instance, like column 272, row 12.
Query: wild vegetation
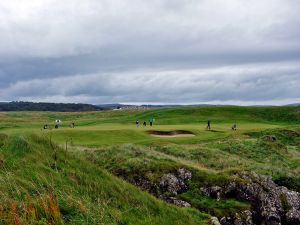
column 41, row 106
column 92, row 174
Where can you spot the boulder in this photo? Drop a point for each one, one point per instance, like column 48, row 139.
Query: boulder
column 170, row 183
column 247, row 216
column 215, row 221
column 146, row 185
column 226, row 221
column 244, row 218
column 184, row 174
column 271, row 138
column 174, row 183
column 293, row 216
column 214, row 191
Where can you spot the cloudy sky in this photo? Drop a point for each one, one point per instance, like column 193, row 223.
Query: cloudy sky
column 159, row 51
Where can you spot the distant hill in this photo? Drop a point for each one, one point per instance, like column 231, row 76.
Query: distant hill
column 41, row 106
column 119, row 105
column 80, row 107
column 294, row 104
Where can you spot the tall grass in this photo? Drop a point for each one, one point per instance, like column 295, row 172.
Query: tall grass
column 32, row 191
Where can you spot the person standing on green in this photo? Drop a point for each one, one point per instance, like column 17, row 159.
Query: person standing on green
column 151, row 122
column 233, row 126
column 208, row 125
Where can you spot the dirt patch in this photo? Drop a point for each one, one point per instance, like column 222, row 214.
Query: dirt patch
column 174, row 133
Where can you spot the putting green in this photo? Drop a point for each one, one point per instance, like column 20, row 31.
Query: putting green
column 118, row 127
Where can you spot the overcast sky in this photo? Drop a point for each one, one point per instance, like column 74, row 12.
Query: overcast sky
column 159, row 51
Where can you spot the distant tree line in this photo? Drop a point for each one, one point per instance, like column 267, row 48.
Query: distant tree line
column 41, row 106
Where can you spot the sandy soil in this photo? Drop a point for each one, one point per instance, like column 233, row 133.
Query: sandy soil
column 170, row 134
column 173, row 135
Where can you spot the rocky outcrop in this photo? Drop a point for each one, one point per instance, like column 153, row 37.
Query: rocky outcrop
column 243, row 218
column 214, row 191
column 271, row 138
column 175, row 183
column 170, row 183
column 215, row 221
column 184, row 174
column 247, row 217
column 272, row 204
column 178, row 202
column 146, row 185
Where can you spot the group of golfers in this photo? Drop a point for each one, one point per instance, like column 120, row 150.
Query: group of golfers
column 151, row 122
column 208, row 127
column 137, row 122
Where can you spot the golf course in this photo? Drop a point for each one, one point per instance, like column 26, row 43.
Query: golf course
column 108, row 170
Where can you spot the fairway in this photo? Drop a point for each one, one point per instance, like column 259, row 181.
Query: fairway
column 109, row 134
column 118, row 127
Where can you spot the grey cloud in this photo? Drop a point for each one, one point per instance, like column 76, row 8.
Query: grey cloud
column 67, row 28
column 149, row 51
column 238, row 83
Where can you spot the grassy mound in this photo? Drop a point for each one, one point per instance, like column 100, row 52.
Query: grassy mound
column 41, row 183
column 222, row 114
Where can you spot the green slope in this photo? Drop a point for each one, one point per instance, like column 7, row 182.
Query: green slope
column 37, row 189
column 223, row 114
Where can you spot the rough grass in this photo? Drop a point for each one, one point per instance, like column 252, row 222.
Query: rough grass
column 36, row 189
column 134, row 162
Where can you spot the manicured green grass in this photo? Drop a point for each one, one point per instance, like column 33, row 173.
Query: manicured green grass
column 108, row 134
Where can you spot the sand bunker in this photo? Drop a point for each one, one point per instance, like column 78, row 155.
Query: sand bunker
column 168, row 134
